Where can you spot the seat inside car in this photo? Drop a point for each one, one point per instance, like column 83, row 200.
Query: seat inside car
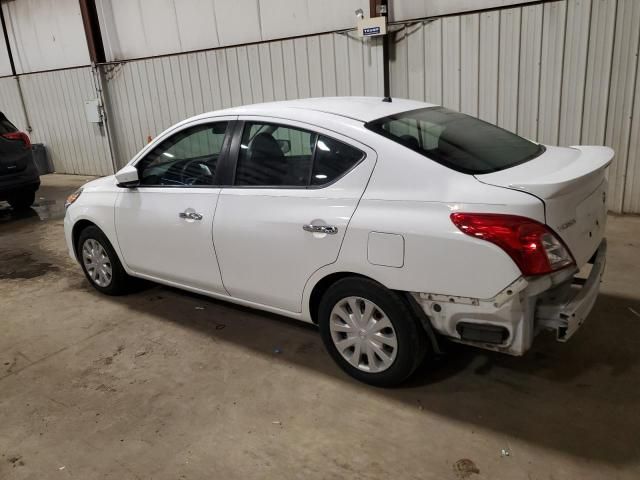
column 265, row 164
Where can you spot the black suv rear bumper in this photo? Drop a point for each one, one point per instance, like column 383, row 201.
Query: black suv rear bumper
column 28, row 180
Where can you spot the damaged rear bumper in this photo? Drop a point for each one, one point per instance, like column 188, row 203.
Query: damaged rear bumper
column 566, row 307
column 509, row 322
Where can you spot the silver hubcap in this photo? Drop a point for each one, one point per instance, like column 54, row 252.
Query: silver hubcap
column 363, row 334
column 97, row 262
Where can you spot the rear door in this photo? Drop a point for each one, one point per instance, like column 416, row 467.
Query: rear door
column 294, row 190
column 15, row 153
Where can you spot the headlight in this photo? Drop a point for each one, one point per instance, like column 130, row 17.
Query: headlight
column 72, row 198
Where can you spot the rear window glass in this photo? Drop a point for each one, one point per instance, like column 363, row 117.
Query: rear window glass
column 6, row 126
column 456, row 140
column 333, row 159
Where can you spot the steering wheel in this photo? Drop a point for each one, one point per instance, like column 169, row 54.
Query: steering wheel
column 187, row 176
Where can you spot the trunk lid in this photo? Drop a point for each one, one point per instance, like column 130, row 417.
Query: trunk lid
column 572, row 184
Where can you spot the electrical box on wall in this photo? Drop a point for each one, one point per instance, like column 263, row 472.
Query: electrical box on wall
column 93, row 110
column 372, row 27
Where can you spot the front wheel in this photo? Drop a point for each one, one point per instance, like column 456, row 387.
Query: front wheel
column 100, row 263
column 371, row 332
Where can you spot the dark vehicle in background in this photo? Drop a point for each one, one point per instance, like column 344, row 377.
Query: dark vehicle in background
column 19, row 177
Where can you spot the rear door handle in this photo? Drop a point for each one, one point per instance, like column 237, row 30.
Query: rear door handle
column 329, row 229
column 190, row 215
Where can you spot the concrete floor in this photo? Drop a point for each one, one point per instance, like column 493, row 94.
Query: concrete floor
column 167, row 385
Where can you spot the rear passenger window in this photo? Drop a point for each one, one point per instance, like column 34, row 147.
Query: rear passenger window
column 274, row 155
column 283, row 156
column 333, row 159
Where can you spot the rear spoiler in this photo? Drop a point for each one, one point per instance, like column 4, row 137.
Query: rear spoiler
column 555, row 172
column 590, row 162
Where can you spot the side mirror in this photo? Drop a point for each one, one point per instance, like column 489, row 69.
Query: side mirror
column 127, row 177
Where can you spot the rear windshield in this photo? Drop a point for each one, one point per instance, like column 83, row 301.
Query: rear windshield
column 456, row 140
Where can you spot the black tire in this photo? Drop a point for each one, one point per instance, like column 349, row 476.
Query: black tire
column 120, row 283
column 412, row 341
column 22, row 201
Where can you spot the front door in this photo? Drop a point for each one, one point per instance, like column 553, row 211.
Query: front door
column 164, row 226
column 287, row 211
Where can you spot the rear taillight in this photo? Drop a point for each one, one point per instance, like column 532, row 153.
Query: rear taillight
column 21, row 136
column 534, row 248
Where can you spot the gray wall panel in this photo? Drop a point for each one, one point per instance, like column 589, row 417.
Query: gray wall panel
column 432, row 61
column 553, row 23
column 631, row 199
column 529, row 79
column 55, row 104
column 399, row 56
column 599, row 57
column 143, row 28
column 509, row 69
column 148, row 96
column 10, row 102
column 408, row 9
column 451, row 62
column 575, row 64
column 469, row 64
column 563, row 72
column 44, row 34
column 414, row 52
column 621, row 94
column 489, row 52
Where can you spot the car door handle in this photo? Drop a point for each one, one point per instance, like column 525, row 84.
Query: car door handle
column 330, row 229
column 190, row 215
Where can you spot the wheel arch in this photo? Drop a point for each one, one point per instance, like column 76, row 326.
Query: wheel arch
column 80, row 224
column 77, row 229
column 322, row 285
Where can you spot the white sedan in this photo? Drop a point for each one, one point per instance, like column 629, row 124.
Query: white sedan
column 388, row 224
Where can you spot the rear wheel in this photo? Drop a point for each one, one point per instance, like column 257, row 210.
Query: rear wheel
column 100, row 263
column 22, row 200
column 370, row 332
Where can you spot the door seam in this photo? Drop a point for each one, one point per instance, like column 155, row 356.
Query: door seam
column 346, row 230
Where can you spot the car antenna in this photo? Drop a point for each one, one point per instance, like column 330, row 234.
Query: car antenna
column 387, row 99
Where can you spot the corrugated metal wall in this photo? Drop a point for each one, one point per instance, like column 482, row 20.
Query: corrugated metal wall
column 55, row 104
column 44, row 34
column 147, row 96
column 10, row 102
column 562, row 72
column 144, row 28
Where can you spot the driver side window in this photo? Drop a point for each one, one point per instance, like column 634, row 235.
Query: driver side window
column 187, row 158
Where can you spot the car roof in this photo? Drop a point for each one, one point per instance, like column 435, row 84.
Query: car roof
column 364, row 109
